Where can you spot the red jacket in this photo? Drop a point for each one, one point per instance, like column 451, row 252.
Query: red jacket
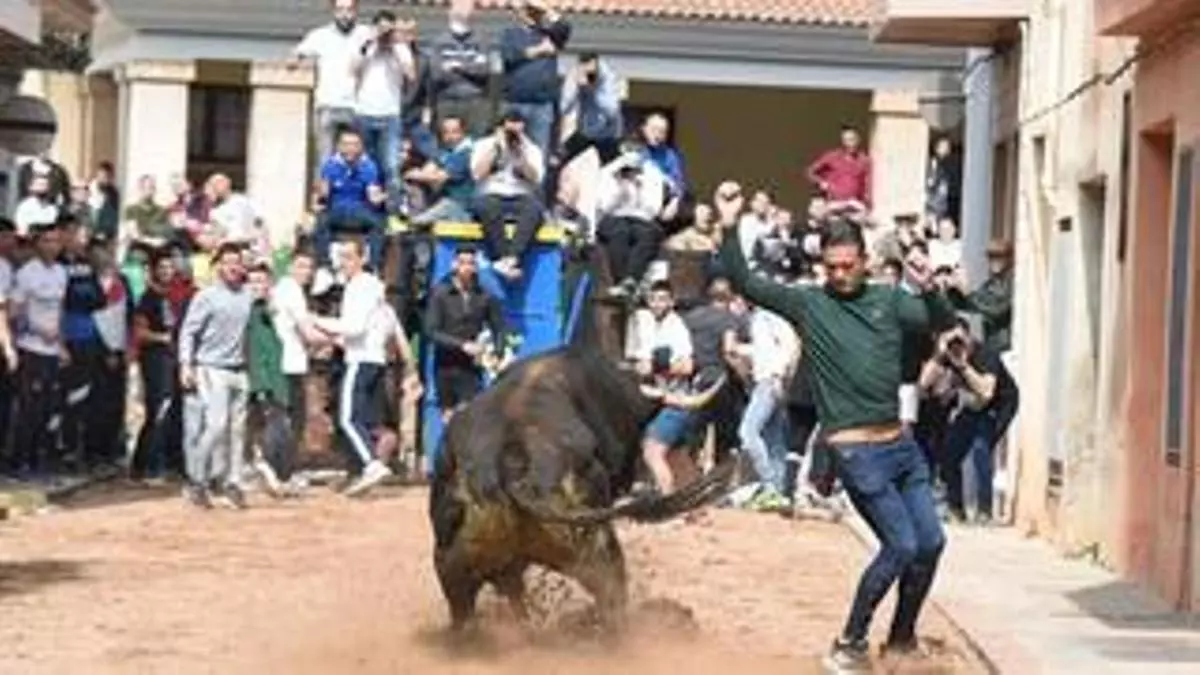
column 846, row 176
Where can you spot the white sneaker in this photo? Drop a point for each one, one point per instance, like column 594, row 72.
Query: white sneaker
column 371, row 476
column 269, row 479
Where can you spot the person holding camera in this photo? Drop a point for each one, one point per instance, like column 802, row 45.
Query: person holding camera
column 631, row 192
column 660, row 347
column 591, row 110
column 983, row 388
column 529, row 53
column 508, row 168
column 381, row 68
column 853, row 340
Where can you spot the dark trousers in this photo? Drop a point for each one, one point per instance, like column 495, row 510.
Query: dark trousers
column 631, row 245
column 277, row 436
column 416, row 252
column 495, row 213
column 8, row 387
column 802, row 420
column 576, row 144
column 39, row 399
column 94, row 414
column 361, row 220
column 970, row 435
column 356, row 410
column 298, row 409
column 159, row 441
column 889, row 485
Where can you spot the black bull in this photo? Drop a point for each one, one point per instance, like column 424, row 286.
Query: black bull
column 529, row 474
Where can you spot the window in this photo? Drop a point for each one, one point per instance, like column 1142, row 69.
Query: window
column 218, row 124
column 1181, row 244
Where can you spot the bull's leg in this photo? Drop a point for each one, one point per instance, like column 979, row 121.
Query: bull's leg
column 459, row 585
column 510, row 583
column 600, row 568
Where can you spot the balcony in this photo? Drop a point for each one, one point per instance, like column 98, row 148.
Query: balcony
column 1140, row 18
column 957, row 23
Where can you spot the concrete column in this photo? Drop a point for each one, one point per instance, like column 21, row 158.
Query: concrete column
column 899, row 153
column 978, row 160
column 277, row 157
column 153, row 122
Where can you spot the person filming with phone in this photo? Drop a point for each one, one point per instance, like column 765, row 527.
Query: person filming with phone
column 979, row 386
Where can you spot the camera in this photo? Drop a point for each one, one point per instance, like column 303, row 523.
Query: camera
column 511, row 137
column 956, row 344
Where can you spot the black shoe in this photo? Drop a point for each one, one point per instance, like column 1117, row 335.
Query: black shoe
column 847, row 657
column 233, row 497
column 197, row 496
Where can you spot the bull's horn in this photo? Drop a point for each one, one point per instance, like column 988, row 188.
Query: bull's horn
column 700, row 400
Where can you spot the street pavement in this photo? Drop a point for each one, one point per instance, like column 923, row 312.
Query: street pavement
column 1032, row 611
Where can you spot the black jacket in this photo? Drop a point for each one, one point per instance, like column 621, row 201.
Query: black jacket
column 470, row 79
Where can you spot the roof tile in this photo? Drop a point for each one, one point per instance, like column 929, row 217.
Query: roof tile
column 821, row 12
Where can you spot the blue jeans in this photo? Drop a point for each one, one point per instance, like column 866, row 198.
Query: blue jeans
column 444, row 210
column 889, row 485
column 972, row 434
column 422, row 139
column 360, row 219
column 539, row 122
column 381, row 139
column 670, row 426
column 763, row 433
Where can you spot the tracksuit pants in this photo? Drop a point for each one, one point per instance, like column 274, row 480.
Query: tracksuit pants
column 356, row 410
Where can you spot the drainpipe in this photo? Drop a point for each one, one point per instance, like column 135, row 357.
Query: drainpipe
column 978, row 154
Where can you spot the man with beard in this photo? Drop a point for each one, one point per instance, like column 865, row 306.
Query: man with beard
column 853, row 340
column 333, row 48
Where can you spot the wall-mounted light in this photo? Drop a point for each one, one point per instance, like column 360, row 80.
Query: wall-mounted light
column 944, row 111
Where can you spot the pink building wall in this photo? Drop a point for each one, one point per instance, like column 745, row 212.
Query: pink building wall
column 1156, row 530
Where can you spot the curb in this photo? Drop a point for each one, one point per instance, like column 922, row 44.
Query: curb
column 862, row 532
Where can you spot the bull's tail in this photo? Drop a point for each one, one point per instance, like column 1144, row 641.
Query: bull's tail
column 648, row 508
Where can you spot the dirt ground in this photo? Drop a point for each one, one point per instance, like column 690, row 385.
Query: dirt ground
column 130, row 581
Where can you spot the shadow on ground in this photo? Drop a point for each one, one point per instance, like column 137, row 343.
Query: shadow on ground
column 1125, row 605
column 18, row 578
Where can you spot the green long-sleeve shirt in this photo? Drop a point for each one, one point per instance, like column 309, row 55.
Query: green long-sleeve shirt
column 853, row 345
column 265, row 369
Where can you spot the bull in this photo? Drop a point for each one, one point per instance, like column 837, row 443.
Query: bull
column 531, row 473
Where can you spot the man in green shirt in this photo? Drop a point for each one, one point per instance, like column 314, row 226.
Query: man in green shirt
column 852, row 332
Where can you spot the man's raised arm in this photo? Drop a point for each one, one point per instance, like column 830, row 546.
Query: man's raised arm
column 783, row 300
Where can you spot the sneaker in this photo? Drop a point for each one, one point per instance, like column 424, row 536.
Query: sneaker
column 371, row 476
column 269, row 479
column 847, row 657
column 197, row 496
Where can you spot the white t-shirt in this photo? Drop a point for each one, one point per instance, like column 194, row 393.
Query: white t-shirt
column 334, row 52
column 381, row 81
column 773, row 343
column 291, row 308
column 39, row 291
column 945, row 254
column 750, row 230
column 647, row 334
column 31, row 212
column 237, row 219
column 6, row 280
column 383, row 328
column 360, row 303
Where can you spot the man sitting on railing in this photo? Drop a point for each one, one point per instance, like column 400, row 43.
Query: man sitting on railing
column 352, row 197
column 508, row 168
column 450, row 176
